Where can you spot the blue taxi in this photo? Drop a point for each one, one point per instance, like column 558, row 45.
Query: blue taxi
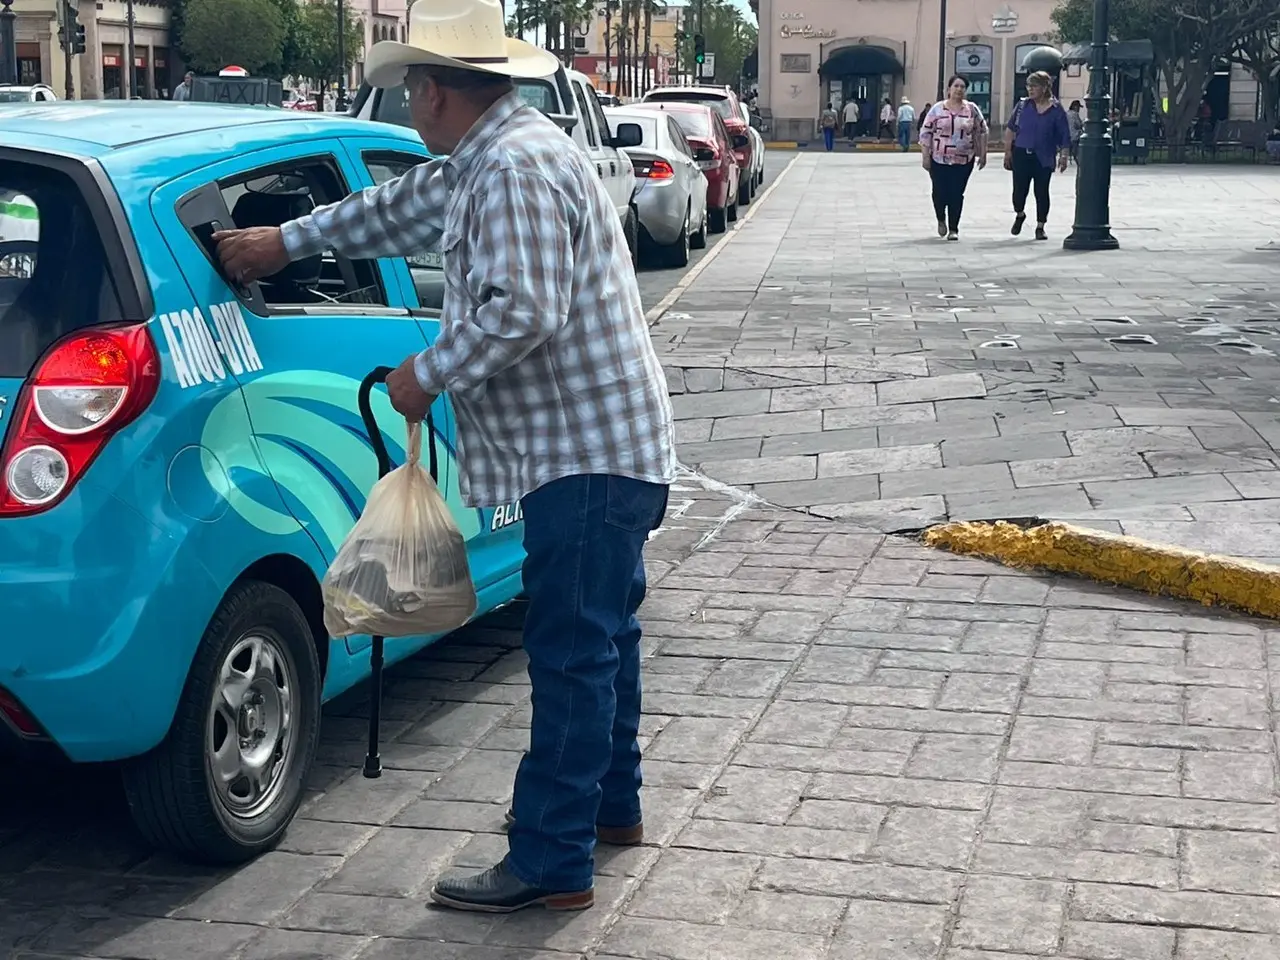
column 181, row 458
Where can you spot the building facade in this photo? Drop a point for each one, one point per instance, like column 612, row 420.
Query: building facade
column 601, row 64
column 383, row 20
column 100, row 72
column 813, row 52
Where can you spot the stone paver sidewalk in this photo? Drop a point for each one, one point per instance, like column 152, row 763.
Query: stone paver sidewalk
column 856, row 748
column 839, row 357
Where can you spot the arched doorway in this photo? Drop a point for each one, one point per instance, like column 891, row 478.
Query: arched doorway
column 863, row 72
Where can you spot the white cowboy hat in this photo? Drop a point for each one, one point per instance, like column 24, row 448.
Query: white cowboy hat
column 464, row 34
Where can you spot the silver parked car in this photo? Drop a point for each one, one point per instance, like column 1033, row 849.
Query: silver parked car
column 757, row 146
column 27, row 93
column 671, row 191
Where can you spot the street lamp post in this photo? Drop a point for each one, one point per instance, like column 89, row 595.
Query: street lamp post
column 942, row 51
column 8, row 44
column 1092, row 229
column 130, row 20
column 340, row 102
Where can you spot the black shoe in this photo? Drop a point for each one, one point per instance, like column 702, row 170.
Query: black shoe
column 1018, row 221
column 498, row 890
column 631, row 836
column 1040, row 234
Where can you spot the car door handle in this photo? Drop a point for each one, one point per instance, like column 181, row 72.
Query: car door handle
column 600, row 170
column 613, row 169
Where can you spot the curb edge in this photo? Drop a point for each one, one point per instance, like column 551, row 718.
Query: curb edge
column 1155, row 568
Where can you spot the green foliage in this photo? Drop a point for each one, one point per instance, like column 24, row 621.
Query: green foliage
column 1187, row 38
column 729, row 35
column 318, row 40
column 247, row 33
column 290, row 61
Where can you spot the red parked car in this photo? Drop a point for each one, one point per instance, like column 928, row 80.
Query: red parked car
column 713, row 150
column 726, row 105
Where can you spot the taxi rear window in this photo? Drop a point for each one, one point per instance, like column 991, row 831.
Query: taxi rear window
column 54, row 274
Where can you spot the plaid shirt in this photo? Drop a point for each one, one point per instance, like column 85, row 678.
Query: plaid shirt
column 543, row 346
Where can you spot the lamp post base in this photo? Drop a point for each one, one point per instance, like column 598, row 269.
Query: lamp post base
column 1090, row 238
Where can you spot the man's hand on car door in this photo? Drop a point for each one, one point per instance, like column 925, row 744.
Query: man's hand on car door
column 251, row 254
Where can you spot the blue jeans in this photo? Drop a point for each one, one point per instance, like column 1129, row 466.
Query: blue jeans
column 904, row 135
column 584, row 576
column 829, row 137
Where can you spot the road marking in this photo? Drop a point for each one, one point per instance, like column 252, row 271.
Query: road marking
column 667, row 302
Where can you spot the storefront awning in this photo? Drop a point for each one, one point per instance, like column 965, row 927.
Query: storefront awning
column 1120, row 53
column 862, row 59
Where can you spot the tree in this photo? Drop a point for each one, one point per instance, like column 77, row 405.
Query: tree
column 1259, row 53
column 1188, row 38
column 290, row 62
column 216, row 33
column 318, row 42
column 729, row 35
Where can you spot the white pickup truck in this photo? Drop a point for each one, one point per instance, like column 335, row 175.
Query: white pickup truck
column 570, row 100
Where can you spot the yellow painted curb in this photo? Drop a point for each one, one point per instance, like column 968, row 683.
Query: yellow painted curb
column 1156, row 568
column 782, row 144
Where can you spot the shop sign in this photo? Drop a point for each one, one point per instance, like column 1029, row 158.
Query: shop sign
column 1004, row 20
column 796, row 63
column 110, row 61
column 974, row 58
column 791, row 16
column 804, row 33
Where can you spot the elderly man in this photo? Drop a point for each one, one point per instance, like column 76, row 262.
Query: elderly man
column 560, row 402
column 183, row 90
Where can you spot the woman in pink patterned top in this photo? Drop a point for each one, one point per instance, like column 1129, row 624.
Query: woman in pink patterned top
column 953, row 138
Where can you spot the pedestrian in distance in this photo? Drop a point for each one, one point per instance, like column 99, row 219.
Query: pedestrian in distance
column 1036, row 140
column 560, row 404
column 886, row 119
column 1075, row 122
column 906, row 123
column 828, row 122
column 851, row 120
column 953, row 140
column 183, row 90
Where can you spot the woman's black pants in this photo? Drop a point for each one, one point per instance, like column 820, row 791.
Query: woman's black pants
column 1027, row 170
column 949, row 181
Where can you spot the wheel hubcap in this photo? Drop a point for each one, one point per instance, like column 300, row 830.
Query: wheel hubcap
column 249, row 741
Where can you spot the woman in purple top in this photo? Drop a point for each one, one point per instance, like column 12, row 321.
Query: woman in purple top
column 1037, row 139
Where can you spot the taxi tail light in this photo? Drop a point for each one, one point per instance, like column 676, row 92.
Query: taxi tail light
column 16, row 714
column 88, row 387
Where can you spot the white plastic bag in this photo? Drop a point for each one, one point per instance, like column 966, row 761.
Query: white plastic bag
column 402, row 571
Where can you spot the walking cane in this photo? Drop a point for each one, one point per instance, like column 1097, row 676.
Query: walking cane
column 372, row 760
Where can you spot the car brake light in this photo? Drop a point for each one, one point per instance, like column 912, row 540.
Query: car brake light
column 88, row 387
column 17, row 715
column 653, row 169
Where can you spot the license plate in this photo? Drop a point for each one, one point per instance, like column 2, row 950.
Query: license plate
column 708, row 164
column 432, row 259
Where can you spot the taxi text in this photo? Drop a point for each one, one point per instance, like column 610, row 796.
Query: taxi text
column 200, row 356
column 506, row 515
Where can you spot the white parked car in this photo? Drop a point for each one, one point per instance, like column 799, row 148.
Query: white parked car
column 33, row 93
column 671, row 191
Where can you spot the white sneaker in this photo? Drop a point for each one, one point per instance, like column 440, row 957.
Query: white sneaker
column 953, row 235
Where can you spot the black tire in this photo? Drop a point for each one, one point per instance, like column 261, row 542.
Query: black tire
column 717, row 219
column 744, row 190
column 170, row 790
column 698, row 239
column 732, row 213
column 677, row 254
column 631, row 227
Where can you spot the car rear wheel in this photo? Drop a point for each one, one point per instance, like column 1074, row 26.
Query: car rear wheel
column 228, row 779
column 698, row 240
column 732, row 213
column 745, row 191
column 717, row 217
column 677, row 254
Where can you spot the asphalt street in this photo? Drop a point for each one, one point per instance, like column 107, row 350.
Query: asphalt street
column 856, row 747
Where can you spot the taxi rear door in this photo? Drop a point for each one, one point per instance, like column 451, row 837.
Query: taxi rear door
column 495, row 537
column 308, row 336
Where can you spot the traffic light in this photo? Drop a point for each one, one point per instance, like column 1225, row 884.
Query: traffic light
column 62, row 37
column 78, row 44
column 699, row 49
